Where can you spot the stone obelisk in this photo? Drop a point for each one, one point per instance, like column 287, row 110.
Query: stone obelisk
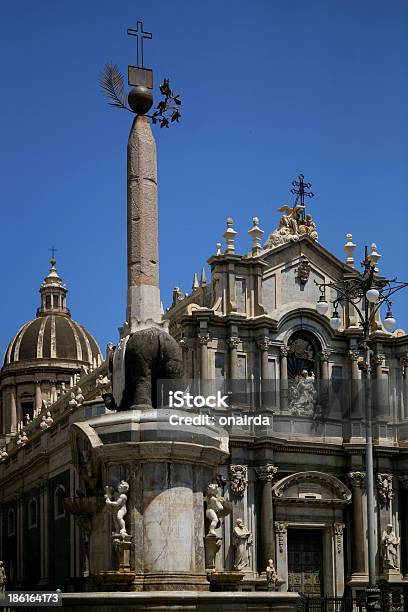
column 143, row 293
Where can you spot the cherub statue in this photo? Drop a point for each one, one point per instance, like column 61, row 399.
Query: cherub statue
column 217, row 508
column 118, row 507
column 79, row 397
column 311, row 227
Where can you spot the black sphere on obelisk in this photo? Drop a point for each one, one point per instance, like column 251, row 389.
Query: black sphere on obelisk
column 140, row 99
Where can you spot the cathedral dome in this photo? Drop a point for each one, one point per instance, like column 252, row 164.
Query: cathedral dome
column 53, row 335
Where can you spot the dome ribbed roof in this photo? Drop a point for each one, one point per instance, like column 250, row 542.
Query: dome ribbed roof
column 53, row 334
column 53, row 337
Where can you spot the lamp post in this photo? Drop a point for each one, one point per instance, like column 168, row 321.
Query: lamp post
column 367, row 292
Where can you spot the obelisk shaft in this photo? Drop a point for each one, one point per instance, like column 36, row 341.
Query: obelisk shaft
column 143, row 295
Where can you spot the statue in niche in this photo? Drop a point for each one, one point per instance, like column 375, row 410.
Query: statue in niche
column 3, row 579
column 304, row 395
column 242, row 542
column 217, row 508
column 271, row 576
column 118, row 507
column 390, row 544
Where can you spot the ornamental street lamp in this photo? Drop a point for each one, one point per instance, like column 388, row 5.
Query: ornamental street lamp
column 367, row 292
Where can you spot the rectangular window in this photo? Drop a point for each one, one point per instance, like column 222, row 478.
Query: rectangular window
column 219, row 365
column 240, row 288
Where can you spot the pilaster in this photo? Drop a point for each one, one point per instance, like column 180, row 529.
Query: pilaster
column 281, row 533
column 284, row 400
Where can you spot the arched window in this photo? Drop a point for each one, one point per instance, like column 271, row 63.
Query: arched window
column 26, row 406
column 48, row 301
column 11, row 523
column 302, row 350
column 59, row 496
column 32, row 513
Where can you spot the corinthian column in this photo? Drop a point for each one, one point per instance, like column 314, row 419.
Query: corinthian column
column 13, row 409
column 266, row 475
column 324, row 365
column 204, row 340
column 380, row 405
column 324, row 381
column 38, row 398
column 234, row 385
column 358, row 543
column 404, row 367
column 355, row 380
column 233, row 343
column 43, row 517
column 264, row 344
column 284, row 378
column 404, row 525
column 143, row 295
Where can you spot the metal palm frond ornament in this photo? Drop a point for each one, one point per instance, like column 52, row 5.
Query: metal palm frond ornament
column 140, row 98
column 111, row 82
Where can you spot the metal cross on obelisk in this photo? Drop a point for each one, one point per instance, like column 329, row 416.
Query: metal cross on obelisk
column 139, row 76
column 301, row 193
column 140, row 35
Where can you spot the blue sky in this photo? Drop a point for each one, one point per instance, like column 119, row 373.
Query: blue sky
column 270, row 88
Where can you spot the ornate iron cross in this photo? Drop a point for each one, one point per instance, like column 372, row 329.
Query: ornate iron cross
column 140, row 35
column 300, row 190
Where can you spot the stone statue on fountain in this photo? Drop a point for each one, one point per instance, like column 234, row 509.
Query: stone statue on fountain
column 118, row 507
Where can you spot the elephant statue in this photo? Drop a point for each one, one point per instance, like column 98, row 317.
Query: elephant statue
column 137, row 363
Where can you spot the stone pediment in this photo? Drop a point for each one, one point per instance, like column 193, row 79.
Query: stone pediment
column 311, row 488
column 318, row 255
column 291, row 274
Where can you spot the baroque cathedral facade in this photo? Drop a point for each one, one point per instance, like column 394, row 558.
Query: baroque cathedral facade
column 296, row 480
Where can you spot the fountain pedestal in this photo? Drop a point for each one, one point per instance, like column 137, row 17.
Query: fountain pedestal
column 168, row 469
